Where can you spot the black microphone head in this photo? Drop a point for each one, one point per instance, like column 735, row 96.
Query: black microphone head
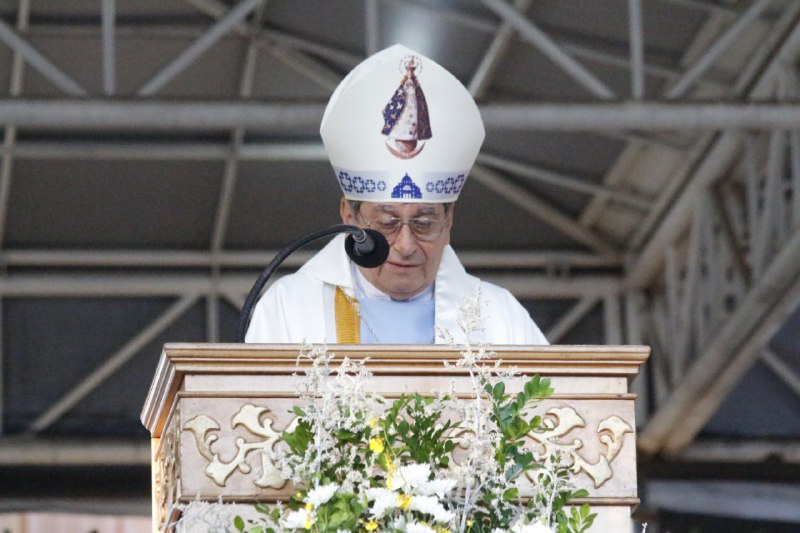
column 374, row 258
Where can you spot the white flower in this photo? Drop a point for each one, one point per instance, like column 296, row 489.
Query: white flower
column 430, row 505
column 537, row 527
column 301, row 519
column 414, row 527
column 320, row 495
column 412, row 476
column 382, row 499
column 440, row 487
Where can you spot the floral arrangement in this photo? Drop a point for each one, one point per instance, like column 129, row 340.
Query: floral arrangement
column 360, row 462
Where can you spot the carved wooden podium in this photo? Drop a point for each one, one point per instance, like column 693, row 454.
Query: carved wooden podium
column 214, row 408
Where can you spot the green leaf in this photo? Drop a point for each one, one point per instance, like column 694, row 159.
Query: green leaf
column 344, row 435
column 403, row 427
column 298, row 411
column 338, row 518
column 511, row 494
column 521, row 401
column 499, row 390
column 580, row 493
column 238, row 522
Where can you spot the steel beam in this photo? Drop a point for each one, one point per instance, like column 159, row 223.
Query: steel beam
column 563, row 181
column 10, row 131
column 636, row 48
column 742, row 451
column 483, row 74
column 543, row 211
column 670, row 216
column 371, row 25
column 574, row 315
column 524, row 286
column 612, row 319
column 304, row 65
column 272, row 116
column 453, row 16
column 531, row 33
column 229, row 175
column 709, row 7
column 732, row 351
column 199, row 151
column 111, row 365
column 337, row 55
column 109, row 54
column 714, row 52
column 758, row 501
column 199, row 47
column 39, row 62
column 646, row 116
column 2, row 371
column 6, row 167
column 163, row 115
column 286, row 48
column 256, row 259
column 782, row 371
column 38, row 451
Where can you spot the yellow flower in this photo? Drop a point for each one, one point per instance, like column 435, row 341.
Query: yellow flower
column 372, row 525
column 470, row 522
column 403, row 501
column 373, row 423
column 308, row 523
column 309, row 506
column 376, row 445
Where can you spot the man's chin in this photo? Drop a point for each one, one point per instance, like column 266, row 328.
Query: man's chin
column 404, row 291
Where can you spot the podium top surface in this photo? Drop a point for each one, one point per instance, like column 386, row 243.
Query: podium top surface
column 179, row 360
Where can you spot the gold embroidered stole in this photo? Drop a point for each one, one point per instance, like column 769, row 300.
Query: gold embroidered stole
column 348, row 322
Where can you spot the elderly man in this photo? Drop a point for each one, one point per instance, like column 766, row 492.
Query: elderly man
column 401, row 133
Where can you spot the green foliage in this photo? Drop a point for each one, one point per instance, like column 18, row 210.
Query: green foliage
column 341, row 512
column 299, row 439
column 579, row 520
column 508, row 414
column 414, row 431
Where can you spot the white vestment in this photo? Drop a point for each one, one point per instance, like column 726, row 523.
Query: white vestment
column 300, row 307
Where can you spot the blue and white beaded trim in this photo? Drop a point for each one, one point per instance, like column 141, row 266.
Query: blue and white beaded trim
column 372, row 186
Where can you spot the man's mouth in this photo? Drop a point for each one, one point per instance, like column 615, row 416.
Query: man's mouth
column 401, row 265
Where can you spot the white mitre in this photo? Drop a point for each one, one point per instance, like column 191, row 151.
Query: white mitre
column 400, row 128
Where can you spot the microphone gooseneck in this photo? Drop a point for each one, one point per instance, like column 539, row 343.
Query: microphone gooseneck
column 367, row 248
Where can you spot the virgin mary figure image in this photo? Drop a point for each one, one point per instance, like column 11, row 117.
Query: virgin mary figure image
column 405, row 118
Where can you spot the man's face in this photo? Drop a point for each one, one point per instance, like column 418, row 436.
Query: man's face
column 412, row 262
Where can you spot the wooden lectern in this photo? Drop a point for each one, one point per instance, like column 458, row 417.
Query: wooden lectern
column 213, row 409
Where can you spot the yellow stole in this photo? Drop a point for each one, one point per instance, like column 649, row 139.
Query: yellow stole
column 348, row 322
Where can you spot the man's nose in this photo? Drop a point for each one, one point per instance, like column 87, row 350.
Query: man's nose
column 404, row 241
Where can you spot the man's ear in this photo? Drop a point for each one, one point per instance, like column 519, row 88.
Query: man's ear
column 348, row 217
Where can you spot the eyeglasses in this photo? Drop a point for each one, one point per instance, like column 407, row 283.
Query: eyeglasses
column 424, row 228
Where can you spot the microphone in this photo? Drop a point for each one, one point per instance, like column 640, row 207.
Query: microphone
column 367, row 248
